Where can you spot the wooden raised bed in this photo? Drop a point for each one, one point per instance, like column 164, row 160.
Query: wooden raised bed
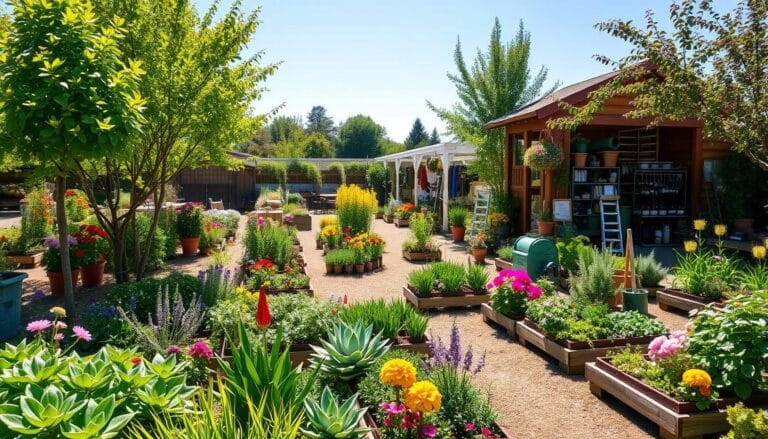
column 506, row 322
column 401, row 222
column 26, row 260
column 676, row 419
column 442, row 301
column 308, row 290
column 671, row 298
column 389, row 219
column 502, row 264
column 422, row 256
column 302, row 222
column 369, row 422
column 572, row 355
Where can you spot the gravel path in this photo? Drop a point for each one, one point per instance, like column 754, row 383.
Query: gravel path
column 533, row 397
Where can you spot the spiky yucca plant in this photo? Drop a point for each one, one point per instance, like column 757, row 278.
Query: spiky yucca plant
column 349, row 350
column 327, row 418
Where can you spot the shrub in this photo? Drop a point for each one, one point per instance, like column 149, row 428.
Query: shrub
column 273, row 172
column 594, row 284
column 377, row 177
column 189, row 221
column 338, row 167
column 747, row 423
column 568, row 250
column 36, row 221
column 268, row 242
column 76, row 205
column 457, row 216
column 506, row 252
column 140, row 297
column 355, row 208
column 311, row 171
column 167, row 223
column 651, row 272
column 156, row 256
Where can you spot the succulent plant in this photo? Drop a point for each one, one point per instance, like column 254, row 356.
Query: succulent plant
column 349, row 350
column 328, row 419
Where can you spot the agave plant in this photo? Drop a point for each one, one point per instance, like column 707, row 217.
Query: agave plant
column 349, row 351
column 327, row 418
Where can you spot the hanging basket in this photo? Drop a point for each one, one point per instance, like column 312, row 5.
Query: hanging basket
column 543, row 156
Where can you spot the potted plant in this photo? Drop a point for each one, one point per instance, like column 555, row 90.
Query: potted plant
column 457, row 215
column 10, row 297
column 52, row 263
column 499, row 223
column 213, row 233
column 319, row 241
column 93, row 245
column 380, row 213
column 330, row 259
column 542, row 156
column 190, row 226
column 479, row 247
column 376, row 250
column 545, row 222
column 579, row 146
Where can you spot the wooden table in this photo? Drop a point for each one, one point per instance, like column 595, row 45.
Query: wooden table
column 326, row 200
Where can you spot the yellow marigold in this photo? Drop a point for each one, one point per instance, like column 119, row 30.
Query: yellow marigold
column 696, row 378
column 699, row 224
column 423, row 397
column 690, row 246
column 758, row 252
column 328, row 220
column 58, row 311
column 398, row 372
column 720, row 230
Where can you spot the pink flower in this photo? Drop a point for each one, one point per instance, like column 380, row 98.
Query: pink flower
column 81, row 333
column 58, row 337
column 534, row 292
column 428, row 430
column 60, row 325
column 490, row 286
column 507, row 273
column 200, row 350
column 485, row 431
column 387, row 422
column 498, row 280
column 173, row 349
column 38, row 325
column 469, row 427
column 262, row 221
column 392, row 408
column 518, row 285
column 663, row 346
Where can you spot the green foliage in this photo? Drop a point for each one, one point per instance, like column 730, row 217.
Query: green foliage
column 316, row 145
column 356, row 167
column 417, row 137
column 731, row 343
column 377, row 177
column 462, row 402
column 167, row 224
column 594, row 284
column 358, row 137
column 329, row 418
column 342, row 256
column 747, row 423
column 421, row 232
column 506, row 252
column 50, row 394
column 743, row 192
column 140, row 297
column 302, row 318
column 651, row 271
column 422, row 280
column 157, row 252
column 568, row 250
column 496, row 83
column 349, row 351
column 36, row 221
column 270, row 242
column 189, row 221
column 457, row 216
column 319, row 122
column 386, row 317
column 274, row 171
column 702, row 274
column 449, row 276
column 286, row 129
column 754, row 278
column 477, row 278
column 76, row 205
column 311, row 171
column 339, row 167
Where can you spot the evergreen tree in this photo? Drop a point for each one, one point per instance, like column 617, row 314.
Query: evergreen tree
column 286, row 129
column 359, row 137
column 434, row 138
column 417, row 137
column 319, row 122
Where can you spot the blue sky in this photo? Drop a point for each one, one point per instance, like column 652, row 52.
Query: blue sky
column 386, row 58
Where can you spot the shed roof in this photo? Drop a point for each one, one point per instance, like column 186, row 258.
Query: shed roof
column 457, row 152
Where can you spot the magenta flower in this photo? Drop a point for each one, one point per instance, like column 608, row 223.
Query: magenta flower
column 387, row 422
column 200, row 350
column 392, row 408
column 38, row 325
column 262, row 221
column 498, row 280
column 81, row 333
column 173, row 349
column 58, row 337
column 428, row 430
column 534, row 292
column 485, row 431
column 469, row 427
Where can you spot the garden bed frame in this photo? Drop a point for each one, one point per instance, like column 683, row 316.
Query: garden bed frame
column 671, row 298
column 369, row 422
column 573, row 355
column 422, row 256
column 508, row 323
column 26, row 260
column 459, row 300
column 502, row 264
column 656, row 406
column 302, row 223
column 401, row 222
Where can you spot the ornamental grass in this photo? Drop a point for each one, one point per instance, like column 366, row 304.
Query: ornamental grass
column 355, row 208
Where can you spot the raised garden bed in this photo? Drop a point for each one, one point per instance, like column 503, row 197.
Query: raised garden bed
column 302, row 222
column 422, row 256
column 502, row 264
column 308, row 290
column 26, row 260
column 401, row 222
column 572, row 355
column 676, row 419
column 389, row 219
column 671, row 298
column 445, row 301
column 506, row 322
column 369, row 422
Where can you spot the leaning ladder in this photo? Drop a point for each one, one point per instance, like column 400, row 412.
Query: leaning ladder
column 480, row 212
column 610, row 227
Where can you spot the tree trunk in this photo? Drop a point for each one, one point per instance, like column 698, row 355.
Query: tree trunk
column 66, row 265
column 141, row 264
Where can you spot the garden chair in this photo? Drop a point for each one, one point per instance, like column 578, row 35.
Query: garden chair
column 218, row 205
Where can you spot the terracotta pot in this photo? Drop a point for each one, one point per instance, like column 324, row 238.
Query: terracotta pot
column 93, row 275
column 458, row 233
column 479, row 254
column 359, row 268
column 328, row 268
column 56, row 279
column 609, row 158
column 375, row 263
column 743, row 225
column 546, row 228
column 579, row 159
column 189, row 246
column 205, row 251
column 319, row 244
column 381, row 261
column 369, row 266
column 348, row 268
column 337, row 268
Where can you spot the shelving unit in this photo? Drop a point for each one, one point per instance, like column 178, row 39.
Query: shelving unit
column 635, row 145
column 659, row 203
column 587, row 186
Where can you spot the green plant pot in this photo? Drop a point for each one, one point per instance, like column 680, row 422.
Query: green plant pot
column 635, row 300
column 10, row 303
column 581, row 147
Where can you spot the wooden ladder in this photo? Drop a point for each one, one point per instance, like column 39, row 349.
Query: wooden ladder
column 480, row 213
column 610, row 224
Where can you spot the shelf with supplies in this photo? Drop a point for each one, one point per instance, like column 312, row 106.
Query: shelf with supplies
column 660, row 203
column 588, row 185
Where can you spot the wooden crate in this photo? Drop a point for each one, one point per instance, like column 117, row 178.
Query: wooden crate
column 445, row 301
column 26, row 260
column 671, row 424
column 401, row 222
column 571, row 361
column 502, row 264
column 422, row 256
column 669, row 298
column 302, row 222
column 490, row 315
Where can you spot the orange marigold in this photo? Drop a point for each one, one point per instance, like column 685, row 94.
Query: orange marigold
column 423, row 397
column 398, row 372
column 696, row 378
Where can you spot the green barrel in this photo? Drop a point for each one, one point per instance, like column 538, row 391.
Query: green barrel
column 635, row 300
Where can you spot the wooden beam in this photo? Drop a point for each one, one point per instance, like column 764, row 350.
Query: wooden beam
column 697, row 168
column 525, row 200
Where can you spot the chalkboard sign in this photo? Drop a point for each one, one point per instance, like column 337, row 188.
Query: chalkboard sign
column 561, row 210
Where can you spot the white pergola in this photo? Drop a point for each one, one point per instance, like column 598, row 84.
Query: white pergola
column 448, row 153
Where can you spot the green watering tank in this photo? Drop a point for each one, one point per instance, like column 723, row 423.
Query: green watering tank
column 537, row 256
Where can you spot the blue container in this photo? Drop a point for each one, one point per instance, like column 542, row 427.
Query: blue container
column 10, row 303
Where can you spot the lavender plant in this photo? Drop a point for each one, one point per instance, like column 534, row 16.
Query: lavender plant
column 452, row 355
column 217, row 283
column 175, row 324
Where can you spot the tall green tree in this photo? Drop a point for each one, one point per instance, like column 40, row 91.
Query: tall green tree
column 316, row 145
column 359, row 137
column 712, row 66
column 434, row 138
column 286, row 129
column 417, row 137
column 318, row 121
column 68, row 96
column 200, row 89
column 496, row 83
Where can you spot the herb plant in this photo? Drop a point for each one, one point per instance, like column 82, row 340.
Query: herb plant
column 651, row 272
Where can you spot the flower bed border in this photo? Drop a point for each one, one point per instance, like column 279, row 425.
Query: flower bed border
column 401, row 222
column 422, row 256
column 671, row 425
column 491, row 315
column 572, row 359
column 461, row 300
column 369, row 422
column 502, row 264
column 672, row 298
column 26, row 260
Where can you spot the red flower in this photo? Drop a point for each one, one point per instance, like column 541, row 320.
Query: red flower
column 288, row 270
column 70, row 193
column 79, row 253
column 705, row 391
column 346, row 300
column 263, row 318
column 136, row 361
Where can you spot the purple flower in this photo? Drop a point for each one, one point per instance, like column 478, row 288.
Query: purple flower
column 480, row 365
column 51, row 242
column 468, row 359
column 38, row 325
column 200, row 350
column 428, row 430
column 39, row 295
column 455, row 348
column 173, row 350
column 81, row 333
column 72, row 240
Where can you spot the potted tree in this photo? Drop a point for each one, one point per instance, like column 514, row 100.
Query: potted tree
column 93, row 246
column 190, row 226
column 10, row 297
column 457, row 215
column 52, row 263
column 479, row 247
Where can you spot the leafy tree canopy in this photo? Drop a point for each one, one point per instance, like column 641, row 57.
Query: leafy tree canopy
column 286, row 129
column 359, row 137
column 316, row 145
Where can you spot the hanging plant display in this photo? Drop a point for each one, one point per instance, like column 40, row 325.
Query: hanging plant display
column 543, row 156
column 435, row 165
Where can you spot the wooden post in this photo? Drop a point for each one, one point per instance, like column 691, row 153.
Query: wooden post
column 525, row 202
column 697, row 166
